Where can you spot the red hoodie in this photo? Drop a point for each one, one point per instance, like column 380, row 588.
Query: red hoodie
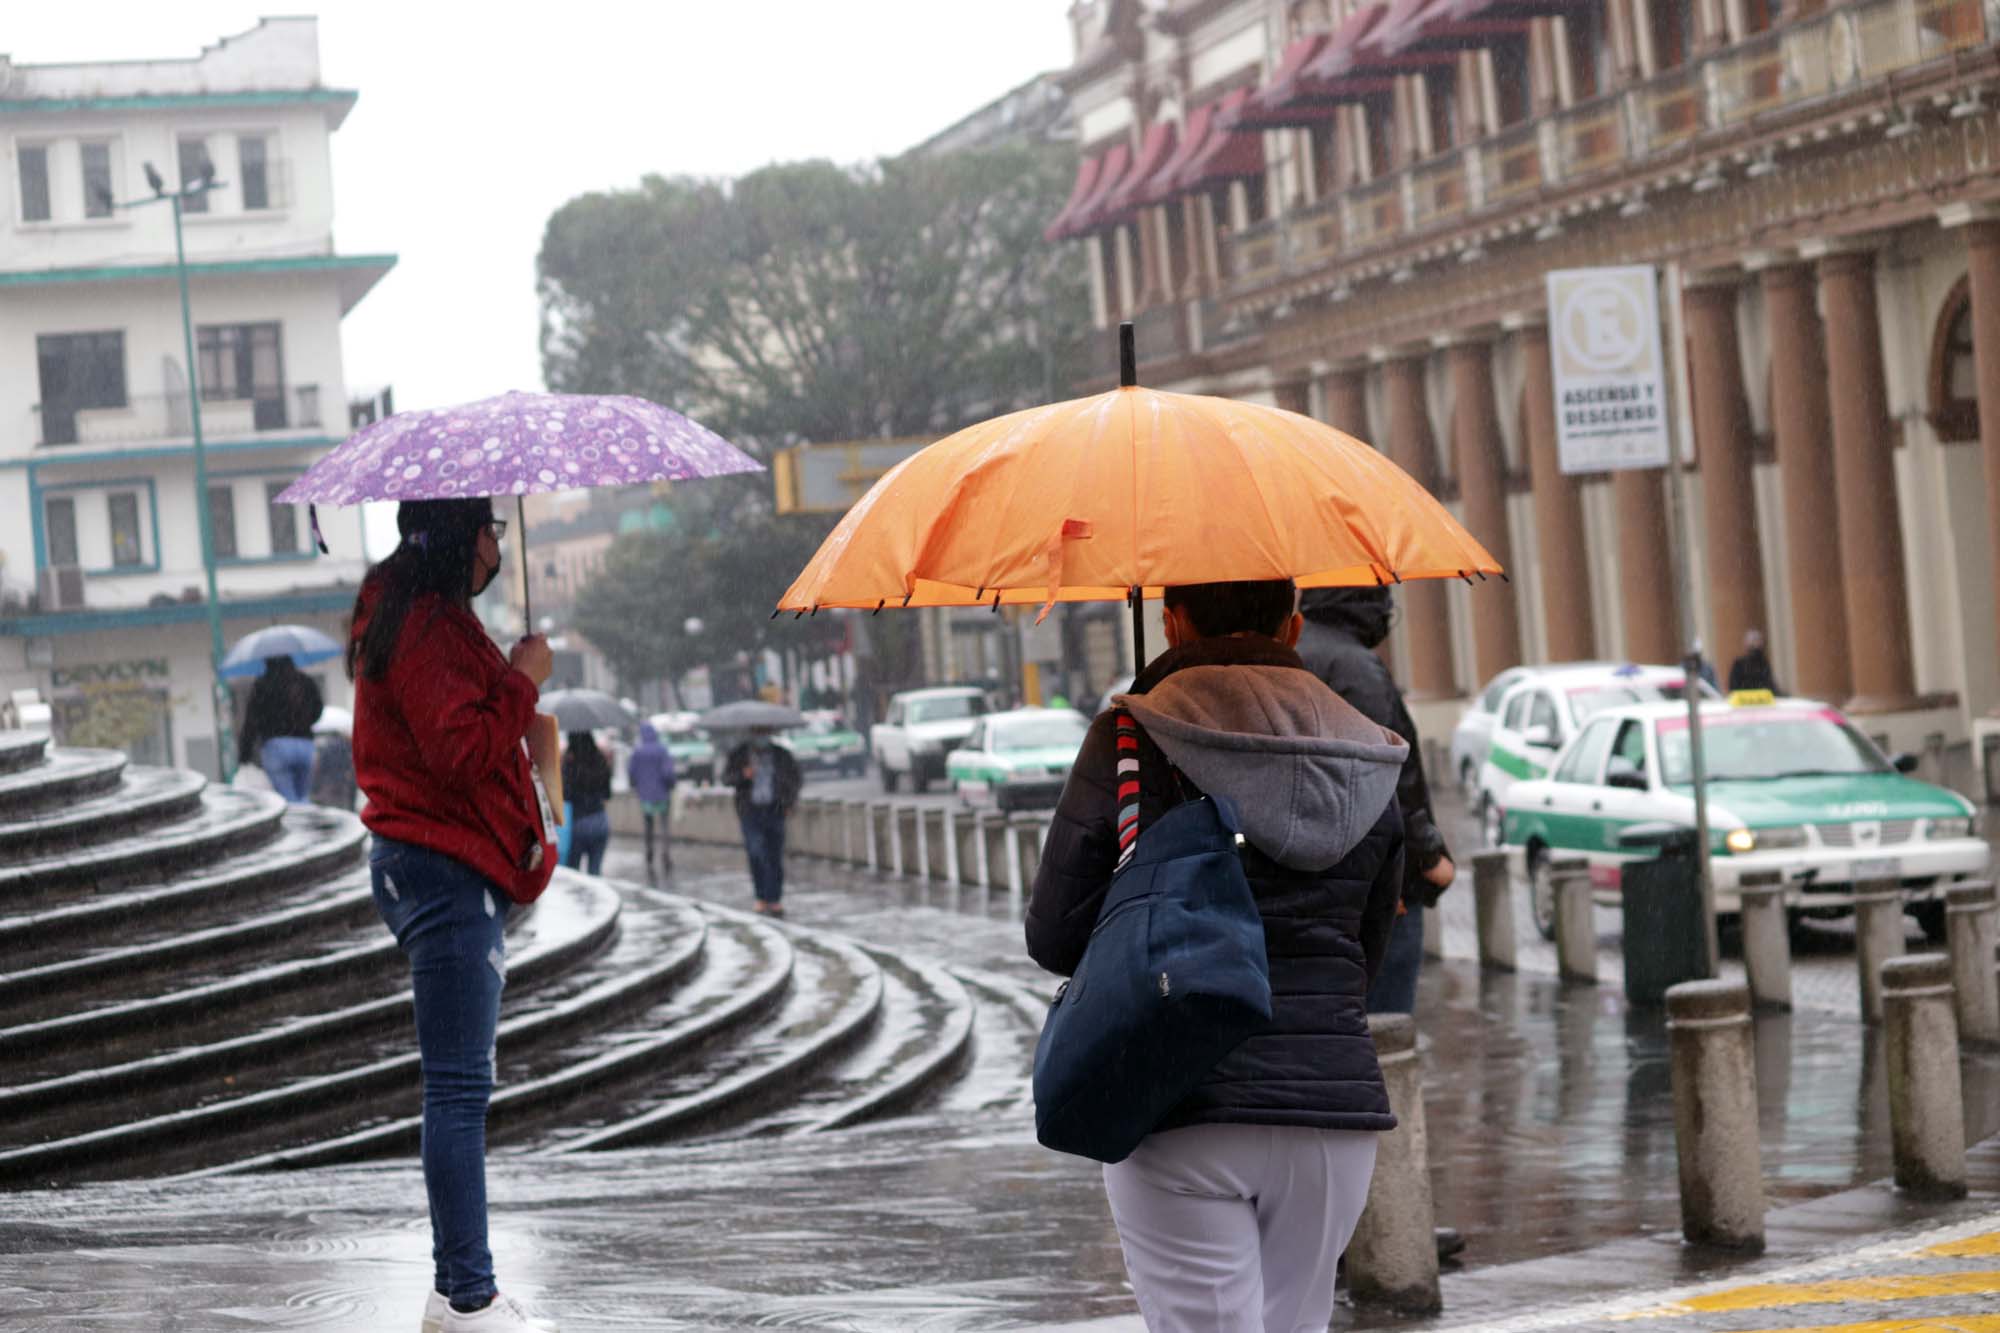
column 437, row 748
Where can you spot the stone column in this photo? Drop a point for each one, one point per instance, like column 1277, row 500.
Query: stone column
column 1430, row 673
column 1646, row 567
column 1722, row 431
column 1565, row 568
column 1864, row 449
column 1982, row 243
column 1346, row 393
column 1293, row 396
column 1805, row 473
column 1482, row 489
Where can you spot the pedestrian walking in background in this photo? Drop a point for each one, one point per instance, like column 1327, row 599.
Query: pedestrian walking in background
column 1703, row 667
column 278, row 728
column 767, row 781
column 586, row 780
column 333, row 761
column 1234, row 1211
column 462, row 833
column 1752, row 671
column 650, row 770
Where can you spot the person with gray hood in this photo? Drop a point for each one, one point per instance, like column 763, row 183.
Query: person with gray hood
column 1233, row 1212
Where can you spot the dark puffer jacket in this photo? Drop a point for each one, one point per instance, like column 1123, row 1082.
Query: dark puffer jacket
column 1314, row 783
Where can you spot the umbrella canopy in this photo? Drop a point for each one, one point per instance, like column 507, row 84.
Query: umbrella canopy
column 1089, row 499
column 583, row 710
column 748, row 714
column 302, row 643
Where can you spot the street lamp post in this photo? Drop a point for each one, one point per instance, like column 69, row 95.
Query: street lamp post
column 218, row 690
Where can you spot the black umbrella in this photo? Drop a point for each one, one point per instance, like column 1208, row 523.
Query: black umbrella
column 583, row 710
column 749, row 714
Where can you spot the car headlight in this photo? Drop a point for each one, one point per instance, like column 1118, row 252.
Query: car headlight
column 1957, row 827
column 1740, row 840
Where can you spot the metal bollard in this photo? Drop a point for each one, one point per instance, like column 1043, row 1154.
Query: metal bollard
column 1715, row 1114
column 1971, row 923
column 1392, row 1259
column 1493, row 907
column 1767, row 939
column 1878, row 937
column 1920, row 1041
column 1576, row 933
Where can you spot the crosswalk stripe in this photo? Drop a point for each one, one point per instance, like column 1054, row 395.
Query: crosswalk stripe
column 1972, row 1247
column 1972, row 1323
column 1892, row 1287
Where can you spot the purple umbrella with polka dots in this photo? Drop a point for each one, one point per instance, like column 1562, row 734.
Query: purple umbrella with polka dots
column 517, row 444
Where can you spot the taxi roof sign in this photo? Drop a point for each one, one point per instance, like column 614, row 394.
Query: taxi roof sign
column 1751, row 698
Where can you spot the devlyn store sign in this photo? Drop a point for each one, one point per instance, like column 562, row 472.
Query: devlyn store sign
column 89, row 675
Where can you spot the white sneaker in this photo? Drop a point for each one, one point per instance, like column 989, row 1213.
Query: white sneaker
column 435, row 1306
column 505, row 1315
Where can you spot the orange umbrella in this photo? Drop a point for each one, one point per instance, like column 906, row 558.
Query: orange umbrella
column 1097, row 498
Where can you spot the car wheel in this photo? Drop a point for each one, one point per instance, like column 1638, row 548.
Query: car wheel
column 920, row 780
column 1492, row 822
column 889, row 776
column 1541, row 892
column 1930, row 915
column 1468, row 781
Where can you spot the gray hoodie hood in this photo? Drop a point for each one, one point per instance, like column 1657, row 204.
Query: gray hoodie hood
column 1308, row 774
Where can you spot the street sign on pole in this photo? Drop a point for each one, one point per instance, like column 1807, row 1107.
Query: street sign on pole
column 1610, row 375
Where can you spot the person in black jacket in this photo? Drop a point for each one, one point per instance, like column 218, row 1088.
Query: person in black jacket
column 1752, row 671
column 1241, row 1200
column 278, row 728
column 767, row 782
column 1342, row 628
column 586, row 780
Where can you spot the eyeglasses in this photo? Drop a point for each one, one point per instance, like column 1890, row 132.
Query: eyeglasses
column 498, row 527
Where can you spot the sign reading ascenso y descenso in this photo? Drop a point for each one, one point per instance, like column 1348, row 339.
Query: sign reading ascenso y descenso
column 1610, row 377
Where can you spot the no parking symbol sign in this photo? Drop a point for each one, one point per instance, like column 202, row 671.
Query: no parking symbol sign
column 1610, row 376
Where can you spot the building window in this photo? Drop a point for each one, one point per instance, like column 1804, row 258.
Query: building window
column 1757, row 16
column 194, row 166
column 253, row 166
column 1514, row 81
column 34, row 168
column 1673, row 32
column 1589, row 51
column 1954, row 410
column 284, row 520
column 244, row 361
column 97, row 195
column 127, row 549
column 222, row 520
column 1441, row 97
column 59, row 529
column 1378, row 124
column 1256, row 199
column 78, row 371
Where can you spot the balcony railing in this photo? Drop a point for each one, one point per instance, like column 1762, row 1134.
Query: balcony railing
column 161, row 418
column 1788, row 68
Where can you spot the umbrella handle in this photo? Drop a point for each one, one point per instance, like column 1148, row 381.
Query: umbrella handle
column 521, row 515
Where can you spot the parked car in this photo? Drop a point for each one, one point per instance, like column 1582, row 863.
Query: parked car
column 1018, row 758
column 692, row 748
column 1539, row 714
column 1793, row 788
column 921, row 727
column 1473, row 735
column 826, row 744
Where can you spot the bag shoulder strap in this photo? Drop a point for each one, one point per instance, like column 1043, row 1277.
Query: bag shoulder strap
column 1125, row 730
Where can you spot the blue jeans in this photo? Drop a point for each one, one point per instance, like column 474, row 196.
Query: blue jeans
column 449, row 920
column 1395, row 988
column 764, row 839
column 288, row 762
column 587, row 840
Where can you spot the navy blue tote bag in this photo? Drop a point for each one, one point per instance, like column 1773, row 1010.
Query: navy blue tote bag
column 1173, row 979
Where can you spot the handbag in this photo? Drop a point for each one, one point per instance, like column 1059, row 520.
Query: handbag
column 1173, row 978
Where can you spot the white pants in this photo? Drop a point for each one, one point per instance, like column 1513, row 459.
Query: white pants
column 1237, row 1228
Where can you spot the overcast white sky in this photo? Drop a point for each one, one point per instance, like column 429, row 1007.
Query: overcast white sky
column 476, row 122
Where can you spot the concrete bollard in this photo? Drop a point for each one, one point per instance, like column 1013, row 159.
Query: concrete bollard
column 1971, row 923
column 1433, row 932
column 850, row 815
column 1576, row 933
column 953, row 870
column 1767, row 940
column 1493, row 907
column 982, row 851
column 1392, row 1259
column 1011, row 845
column 921, row 866
column 1920, row 1042
column 1878, row 937
column 1715, row 1114
column 870, row 836
column 938, row 864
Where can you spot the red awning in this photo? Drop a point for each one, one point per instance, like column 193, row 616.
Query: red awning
column 1090, row 213
column 1224, row 154
column 1061, row 227
column 1159, row 187
column 1294, row 98
column 1514, row 9
column 1446, row 26
column 1154, row 151
column 1356, row 48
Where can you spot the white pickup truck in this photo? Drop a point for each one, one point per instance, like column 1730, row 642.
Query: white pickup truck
column 921, row 728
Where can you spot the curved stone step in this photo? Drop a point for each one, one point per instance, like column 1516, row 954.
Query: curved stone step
column 540, row 962
column 223, row 1126
column 21, row 749
column 998, row 1077
column 63, row 777
column 308, row 844
column 109, row 844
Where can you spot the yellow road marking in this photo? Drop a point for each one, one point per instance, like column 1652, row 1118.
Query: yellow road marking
column 1775, row 1295
column 1969, row 1323
column 1972, row 1247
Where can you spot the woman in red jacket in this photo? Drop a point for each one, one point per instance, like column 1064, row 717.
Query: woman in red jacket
column 462, row 832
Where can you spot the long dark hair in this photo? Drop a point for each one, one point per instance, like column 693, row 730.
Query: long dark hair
column 589, row 766
column 435, row 556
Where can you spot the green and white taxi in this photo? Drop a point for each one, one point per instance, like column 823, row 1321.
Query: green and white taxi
column 1018, row 758
column 1544, row 709
column 1793, row 788
column 826, row 744
column 692, row 748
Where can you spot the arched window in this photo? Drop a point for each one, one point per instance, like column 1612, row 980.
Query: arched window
column 1954, row 376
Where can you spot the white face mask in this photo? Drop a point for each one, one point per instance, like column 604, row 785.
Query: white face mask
column 489, row 575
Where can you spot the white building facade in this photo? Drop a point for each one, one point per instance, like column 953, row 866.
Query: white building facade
column 102, row 587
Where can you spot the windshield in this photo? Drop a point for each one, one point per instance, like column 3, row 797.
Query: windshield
column 1588, row 700
column 1040, row 733
column 944, row 710
column 826, row 726
column 1764, row 747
